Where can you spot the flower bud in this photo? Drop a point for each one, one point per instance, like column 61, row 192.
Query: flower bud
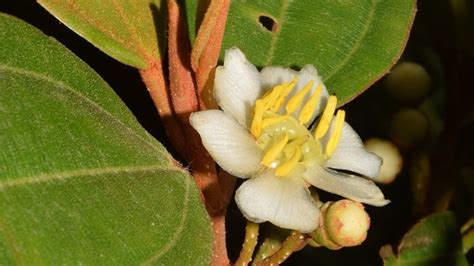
column 409, row 127
column 408, row 82
column 342, row 224
column 392, row 159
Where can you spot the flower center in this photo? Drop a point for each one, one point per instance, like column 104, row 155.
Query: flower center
column 287, row 143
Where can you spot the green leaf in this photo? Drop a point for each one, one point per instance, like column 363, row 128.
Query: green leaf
column 80, row 181
column 351, row 45
column 130, row 31
column 435, row 240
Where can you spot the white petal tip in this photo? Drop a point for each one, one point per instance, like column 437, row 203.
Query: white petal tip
column 284, row 202
column 237, row 86
column 229, row 144
column 378, row 203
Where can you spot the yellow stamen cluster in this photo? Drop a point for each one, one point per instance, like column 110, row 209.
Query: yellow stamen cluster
column 285, row 140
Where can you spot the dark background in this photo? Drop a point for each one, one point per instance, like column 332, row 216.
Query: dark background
column 388, row 223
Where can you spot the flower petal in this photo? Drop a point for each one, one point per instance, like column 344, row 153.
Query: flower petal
column 349, row 186
column 283, row 201
column 275, row 75
column 351, row 155
column 237, row 86
column 231, row 145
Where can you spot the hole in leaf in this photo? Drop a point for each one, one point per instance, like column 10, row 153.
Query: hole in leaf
column 267, row 22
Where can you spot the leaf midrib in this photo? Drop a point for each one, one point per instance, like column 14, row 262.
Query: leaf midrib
column 347, row 58
column 131, row 30
column 27, row 180
column 61, row 85
column 271, row 52
column 357, row 43
column 105, row 31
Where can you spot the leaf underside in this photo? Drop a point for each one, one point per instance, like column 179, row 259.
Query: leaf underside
column 133, row 32
column 80, row 180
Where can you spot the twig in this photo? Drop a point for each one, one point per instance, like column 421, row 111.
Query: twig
column 156, row 86
column 294, row 242
column 251, row 237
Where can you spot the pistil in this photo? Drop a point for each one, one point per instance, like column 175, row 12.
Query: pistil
column 274, row 151
column 286, row 135
column 285, row 168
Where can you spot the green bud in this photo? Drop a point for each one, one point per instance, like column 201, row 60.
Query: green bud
column 408, row 82
column 409, row 127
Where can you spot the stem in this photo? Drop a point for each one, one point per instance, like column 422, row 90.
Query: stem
column 184, row 99
column 156, row 86
column 219, row 254
column 182, row 88
column 294, row 242
column 206, row 50
column 251, row 237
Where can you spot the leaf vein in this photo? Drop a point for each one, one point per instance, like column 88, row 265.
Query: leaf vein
column 357, row 44
column 131, row 29
column 179, row 230
column 89, row 20
column 12, row 244
column 61, row 85
column 78, row 172
column 276, row 34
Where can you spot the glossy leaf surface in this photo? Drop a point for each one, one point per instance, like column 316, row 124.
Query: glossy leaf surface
column 435, row 240
column 351, row 45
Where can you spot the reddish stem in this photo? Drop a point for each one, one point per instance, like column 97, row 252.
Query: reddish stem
column 185, row 101
column 156, row 86
column 207, row 48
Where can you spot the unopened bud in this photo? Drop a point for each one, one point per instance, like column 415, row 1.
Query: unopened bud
column 408, row 82
column 342, row 224
column 392, row 159
column 409, row 127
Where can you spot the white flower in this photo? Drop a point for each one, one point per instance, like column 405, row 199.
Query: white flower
column 261, row 135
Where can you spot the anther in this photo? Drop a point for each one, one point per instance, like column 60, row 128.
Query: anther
column 336, row 135
column 256, row 127
column 283, row 94
column 298, row 98
column 273, row 120
column 310, row 106
column 326, row 118
column 272, row 95
column 286, row 167
column 274, row 151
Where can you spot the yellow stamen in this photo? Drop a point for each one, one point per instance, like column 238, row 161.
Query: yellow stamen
column 297, row 99
column 283, row 94
column 274, row 151
column 256, row 127
column 326, row 118
column 336, row 135
column 309, row 108
column 287, row 166
column 272, row 95
column 273, row 120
